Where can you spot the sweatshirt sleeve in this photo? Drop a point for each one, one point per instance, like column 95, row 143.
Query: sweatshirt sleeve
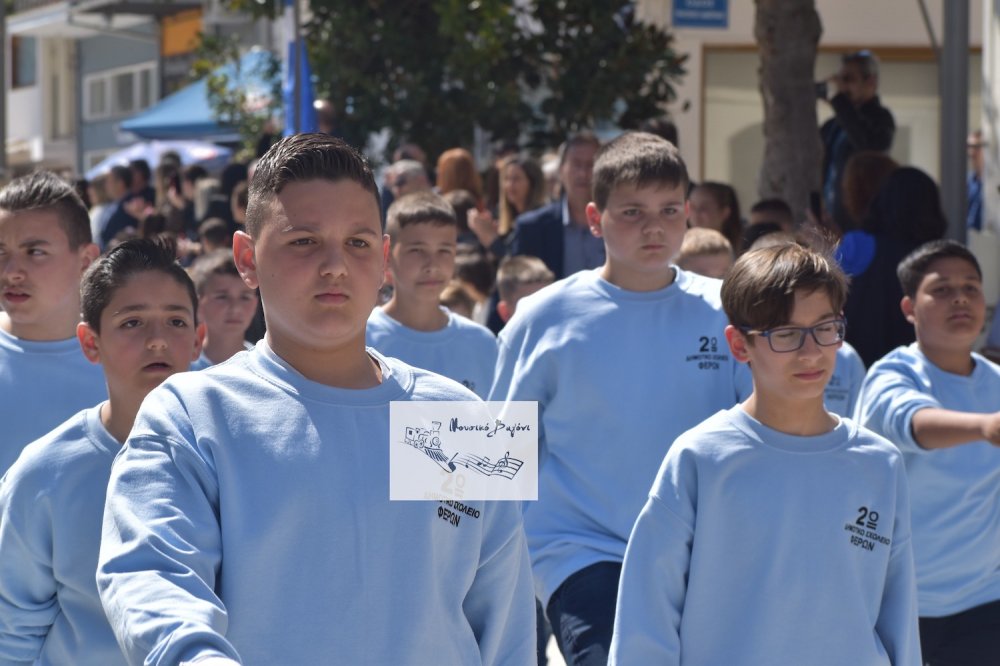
column 897, row 623
column 161, row 545
column 500, row 604
column 654, row 577
column 28, row 604
column 890, row 396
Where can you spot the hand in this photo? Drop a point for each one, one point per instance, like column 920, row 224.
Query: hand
column 482, row 224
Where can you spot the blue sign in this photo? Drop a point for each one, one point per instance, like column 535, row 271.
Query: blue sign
column 701, row 14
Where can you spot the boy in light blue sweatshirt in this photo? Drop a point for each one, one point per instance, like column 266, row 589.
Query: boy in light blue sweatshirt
column 413, row 326
column 248, row 517
column 775, row 532
column 937, row 401
column 139, row 324
column 621, row 360
column 45, row 246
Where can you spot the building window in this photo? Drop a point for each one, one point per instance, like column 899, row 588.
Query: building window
column 119, row 92
column 24, row 59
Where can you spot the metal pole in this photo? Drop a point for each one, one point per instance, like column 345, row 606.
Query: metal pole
column 297, row 70
column 954, row 90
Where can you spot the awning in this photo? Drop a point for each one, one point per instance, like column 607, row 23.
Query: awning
column 186, row 114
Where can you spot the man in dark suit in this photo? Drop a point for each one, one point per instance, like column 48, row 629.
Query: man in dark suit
column 558, row 234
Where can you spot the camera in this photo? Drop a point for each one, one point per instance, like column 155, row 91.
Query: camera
column 821, row 90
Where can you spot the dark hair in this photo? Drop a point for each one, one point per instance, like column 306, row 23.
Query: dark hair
column 302, row 157
column 662, row 126
column 215, row 231
column 584, row 138
column 418, row 208
column 640, row 159
column 122, row 173
column 725, row 196
column 110, row 273
column 216, row 262
column 194, row 173
column 234, row 174
column 908, row 208
column 462, row 201
column 913, row 268
column 241, row 194
column 475, row 269
column 152, row 225
column 865, row 60
column 43, row 190
column 777, row 206
column 755, row 232
column 81, row 187
column 519, row 270
column 141, row 167
column 759, row 290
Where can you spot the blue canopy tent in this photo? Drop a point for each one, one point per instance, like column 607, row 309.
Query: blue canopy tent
column 186, row 114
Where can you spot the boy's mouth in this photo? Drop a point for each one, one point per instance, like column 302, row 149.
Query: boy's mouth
column 157, row 366
column 15, row 296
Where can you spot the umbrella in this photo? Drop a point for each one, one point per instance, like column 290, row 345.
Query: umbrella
column 208, row 155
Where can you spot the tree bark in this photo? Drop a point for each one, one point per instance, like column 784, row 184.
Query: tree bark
column 787, row 33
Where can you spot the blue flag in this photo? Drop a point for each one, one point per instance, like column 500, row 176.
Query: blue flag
column 307, row 112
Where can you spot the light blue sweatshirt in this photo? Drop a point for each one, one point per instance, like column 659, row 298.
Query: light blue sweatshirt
column 956, row 491
column 841, row 394
column 51, row 504
column 203, row 361
column 248, row 517
column 462, row 350
column 42, row 384
column 758, row 547
column 618, row 375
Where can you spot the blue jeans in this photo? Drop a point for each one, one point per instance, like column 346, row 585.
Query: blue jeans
column 582, row 613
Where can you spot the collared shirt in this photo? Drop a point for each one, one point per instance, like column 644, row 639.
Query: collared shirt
column 581, row 249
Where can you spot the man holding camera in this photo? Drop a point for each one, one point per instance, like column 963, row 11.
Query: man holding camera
column 860, row 122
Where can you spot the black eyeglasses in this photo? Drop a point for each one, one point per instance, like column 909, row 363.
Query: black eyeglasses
column 791, row 338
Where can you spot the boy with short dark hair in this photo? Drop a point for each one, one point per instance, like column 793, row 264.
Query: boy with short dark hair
column 936, row 400
column 581, row 348
column 139, row 325
column 775, row 521
column 519, row 276
column 225, row 305
column 413, row 326
column 45, row 246
column 248, row 517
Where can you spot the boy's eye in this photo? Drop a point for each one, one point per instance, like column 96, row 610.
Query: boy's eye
column 357, row 242
column 35, row 252
column 130, row 323
column 178, row 322
column 784, row 333
column 301, row 241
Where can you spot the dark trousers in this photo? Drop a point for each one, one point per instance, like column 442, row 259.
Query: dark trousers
column 969, row 638
column 582, row 613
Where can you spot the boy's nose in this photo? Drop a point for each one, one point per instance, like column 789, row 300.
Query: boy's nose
column 333, row 263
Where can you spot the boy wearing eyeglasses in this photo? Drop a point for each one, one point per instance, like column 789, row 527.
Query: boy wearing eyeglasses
column 776, row 532
column 937, row 401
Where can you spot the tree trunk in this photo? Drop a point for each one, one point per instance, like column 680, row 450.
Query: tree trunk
column 787, row 32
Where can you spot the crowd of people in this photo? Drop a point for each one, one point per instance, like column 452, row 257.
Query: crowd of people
column 761, row 441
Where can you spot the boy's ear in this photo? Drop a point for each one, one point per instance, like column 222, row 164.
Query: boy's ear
column 88, row 253
column 386, row 246
column 594, row 219
column 200, row 331
column 245, row 257
column 737, row 344
column 88, row 342
column 906, row 305
column 503, row 309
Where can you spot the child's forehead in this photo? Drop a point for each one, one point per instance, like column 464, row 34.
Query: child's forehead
column 946, row 268
column 41, row 223
column 810, row 305
column 429, row 230
column 661, row 189
column 150, row 288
